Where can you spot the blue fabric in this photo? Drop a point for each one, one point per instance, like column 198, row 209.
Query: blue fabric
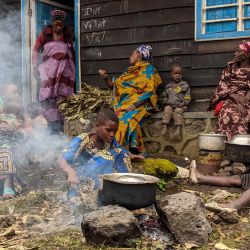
column 89, row 166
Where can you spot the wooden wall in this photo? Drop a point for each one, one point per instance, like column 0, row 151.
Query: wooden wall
column 110, row 30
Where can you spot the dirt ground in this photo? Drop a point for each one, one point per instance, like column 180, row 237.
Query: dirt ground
column 43, row 220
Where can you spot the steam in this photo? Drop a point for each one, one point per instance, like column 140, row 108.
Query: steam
column 10, row 45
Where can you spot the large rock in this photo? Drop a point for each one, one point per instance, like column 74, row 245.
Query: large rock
column 110, row 225
column 184, row 215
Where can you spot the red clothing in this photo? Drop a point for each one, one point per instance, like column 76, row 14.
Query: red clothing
column 41, row 41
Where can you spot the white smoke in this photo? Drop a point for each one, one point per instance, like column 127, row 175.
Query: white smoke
column 10, row 45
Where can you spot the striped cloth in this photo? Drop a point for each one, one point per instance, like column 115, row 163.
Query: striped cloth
column 245, row 180
column 6, row 162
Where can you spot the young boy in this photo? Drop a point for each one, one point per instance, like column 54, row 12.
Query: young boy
column 91, row 155
column 176, row 97
column 11, row 125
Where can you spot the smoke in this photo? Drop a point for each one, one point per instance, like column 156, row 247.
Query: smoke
column 40, row 144
column 10, row 45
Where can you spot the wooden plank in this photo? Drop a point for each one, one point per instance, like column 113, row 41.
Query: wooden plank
column 118, row 66
column 88, row 2
column 195, row 78
column 217, row 46
column 113, row 8
column 137, row 35
column 199, row 93
column 123, row 51
column 201, row 77
column 211, row 60
column 139, row 19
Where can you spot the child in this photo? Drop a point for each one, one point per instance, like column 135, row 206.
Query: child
column 91, row 155
column 11, row 125
column 176, row 97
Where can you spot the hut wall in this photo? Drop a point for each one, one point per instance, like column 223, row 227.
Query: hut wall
column 110, row 30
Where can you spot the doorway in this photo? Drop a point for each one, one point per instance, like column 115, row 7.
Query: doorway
column 35, row 17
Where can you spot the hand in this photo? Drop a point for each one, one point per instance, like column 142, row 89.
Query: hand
column 103, row 73
column 72, row 177
column 241, row 109
column 181, row 105
column 239, row 99
column 130, row 108
column 137, row 157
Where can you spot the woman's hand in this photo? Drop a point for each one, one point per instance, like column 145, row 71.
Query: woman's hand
column 239, row 99
column 137, row 157
column 241, row 109
column 72, row 177
column 130, row 108
column 103, row 73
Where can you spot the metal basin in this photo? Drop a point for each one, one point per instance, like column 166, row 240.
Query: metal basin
column 240, row 140
column 238, row 149
column 132, row 191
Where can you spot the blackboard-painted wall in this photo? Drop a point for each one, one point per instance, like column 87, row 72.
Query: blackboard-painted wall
column 110, row 30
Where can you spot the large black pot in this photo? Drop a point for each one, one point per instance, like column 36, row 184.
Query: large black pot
column 238, row 153
column 132, row 191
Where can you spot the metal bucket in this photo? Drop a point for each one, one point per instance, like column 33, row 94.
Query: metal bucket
column 209, row 161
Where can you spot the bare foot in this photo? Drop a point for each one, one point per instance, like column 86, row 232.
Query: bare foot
column 194, row 173
column 8, row 196
column 177, row 134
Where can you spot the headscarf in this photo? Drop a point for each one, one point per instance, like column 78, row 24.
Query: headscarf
column 57, row 15
column 146, row 52
column 245, row 47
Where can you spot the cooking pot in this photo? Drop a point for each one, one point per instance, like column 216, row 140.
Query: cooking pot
column 132, row 191
column 212, row 141
column 238, row 149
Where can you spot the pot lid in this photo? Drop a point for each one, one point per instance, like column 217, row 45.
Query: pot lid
column 213, row 135
column 130, row 178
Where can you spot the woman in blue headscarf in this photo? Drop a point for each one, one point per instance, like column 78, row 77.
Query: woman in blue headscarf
column 134, row 96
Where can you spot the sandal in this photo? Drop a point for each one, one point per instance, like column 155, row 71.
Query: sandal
column 214, row 207
column 8, row 193
column 192, row 174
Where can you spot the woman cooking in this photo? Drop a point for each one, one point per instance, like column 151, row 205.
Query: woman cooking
column 134, row 96
column 57, row 70
column 231, row 100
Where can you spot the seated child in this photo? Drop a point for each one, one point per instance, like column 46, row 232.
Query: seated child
column 94, row 154
column 11, row 125
column 176, row 97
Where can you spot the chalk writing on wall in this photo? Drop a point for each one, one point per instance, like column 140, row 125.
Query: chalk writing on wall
column 94, row 11
column 98, row 37
column 97, row 24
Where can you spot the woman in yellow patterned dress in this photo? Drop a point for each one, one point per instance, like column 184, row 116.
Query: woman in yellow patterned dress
column 134, row 96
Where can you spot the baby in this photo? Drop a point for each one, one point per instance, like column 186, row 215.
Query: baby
column 176, row 97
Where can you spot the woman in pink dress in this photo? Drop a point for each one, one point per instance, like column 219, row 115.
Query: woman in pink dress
column 57, row 70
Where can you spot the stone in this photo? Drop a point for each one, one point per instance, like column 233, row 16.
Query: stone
column 110, row 225
column 229, row 217
column 183, row 173
column 220, row 195
column 238, row 168
column 184, row 214
column 153, row 147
